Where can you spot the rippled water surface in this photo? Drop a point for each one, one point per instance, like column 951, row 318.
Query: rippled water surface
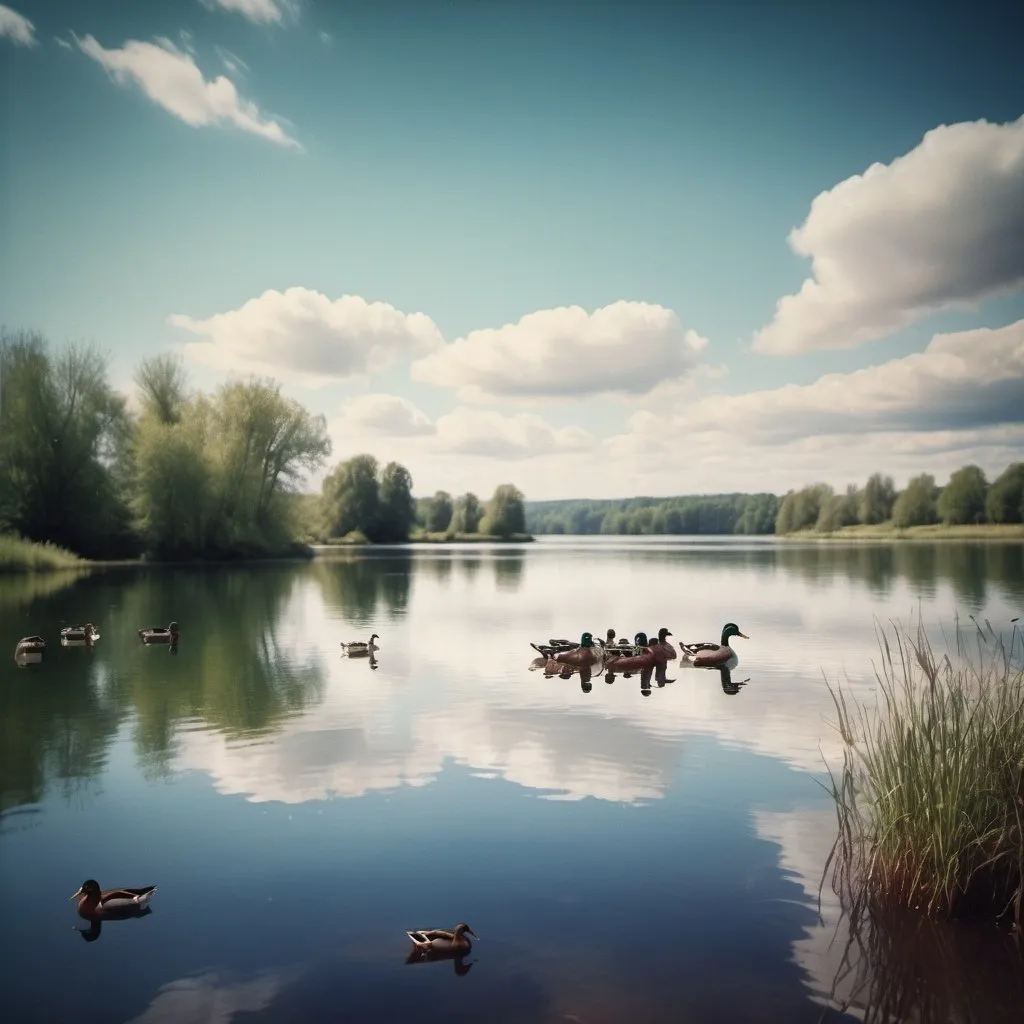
column 623, row 856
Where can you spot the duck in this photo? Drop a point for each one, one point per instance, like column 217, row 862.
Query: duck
column 670, row 651
column 585, row 655
column 159, row 634
column 110, row 902
column 609, row 639
column 360, row 648
column 552, row 647
column 643, row 654
column 28, row 644
column 440, row 940
column 706, row 653
column 79, row 634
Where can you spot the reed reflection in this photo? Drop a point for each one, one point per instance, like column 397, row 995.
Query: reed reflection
column 902, row 966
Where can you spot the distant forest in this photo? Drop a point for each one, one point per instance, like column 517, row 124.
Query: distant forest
column 966, row 498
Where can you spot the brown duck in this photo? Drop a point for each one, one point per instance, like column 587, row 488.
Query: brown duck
column 710, row 654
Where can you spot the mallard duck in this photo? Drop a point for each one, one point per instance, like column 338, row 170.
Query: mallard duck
column 110, row 902
column 360, row 648
column 86, row 634
column 640, row 656
column 440, row 940
column 552, row 647
column 670, row 651
column 586, row 654
column 159, row 634
column 710, row 653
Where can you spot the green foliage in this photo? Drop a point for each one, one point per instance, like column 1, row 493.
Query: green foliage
column 438, row 512
column 467, row 514
column 356, row 496
column 506, row 512
column 62, row 429
column 19, row 555
column 918, row 504
column 930, row 789
column 800, row 509
column 838, row 510
column 963, row 499
column 876, row 500
column 1005, row 500
column 695, row 514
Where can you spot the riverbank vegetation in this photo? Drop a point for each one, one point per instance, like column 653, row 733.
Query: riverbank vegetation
column 19, row 555
column 188, row 475
column 930, row 795
column 967, row 500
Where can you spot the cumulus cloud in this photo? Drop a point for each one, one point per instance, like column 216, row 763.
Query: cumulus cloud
column 387, row 415
column 626, row 348
column 16, row 27
column 304, row 336
column 939, row 228
column 969, row 380
column 262, row 12
column 467, row 431
column 170, row 78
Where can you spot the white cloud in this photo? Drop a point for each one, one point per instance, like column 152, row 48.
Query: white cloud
column 16, row 27
column 233, row 64
column 261, row 12
column 387, row 415
column 968, row 380
column 626, row 348
column 939, row 228
column 171, row 79
column 466, row 431
column 303, row 336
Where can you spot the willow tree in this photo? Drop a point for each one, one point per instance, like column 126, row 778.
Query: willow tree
column 63, row 430
column 506, row 512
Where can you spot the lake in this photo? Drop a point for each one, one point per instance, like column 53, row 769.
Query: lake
column 623, row 854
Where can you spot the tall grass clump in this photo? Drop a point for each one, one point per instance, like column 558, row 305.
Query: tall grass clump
column 930, row 795
column 19, row 555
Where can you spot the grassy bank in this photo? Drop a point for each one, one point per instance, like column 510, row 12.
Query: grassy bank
column 18, row 555
column 930, row 796
column 936, row 531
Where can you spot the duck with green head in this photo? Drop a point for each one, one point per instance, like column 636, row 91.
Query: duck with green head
column 709, row 654
column 583, row 656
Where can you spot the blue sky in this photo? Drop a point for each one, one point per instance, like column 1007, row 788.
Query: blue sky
column 478, row 163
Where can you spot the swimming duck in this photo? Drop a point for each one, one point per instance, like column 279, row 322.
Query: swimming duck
column 586, row 654
column 159, row 634
column 710, row 653
column 110, row 902
column 86, row 634
column 440, row 940
column 663, row 645
column 360, row 648
column 644, row 654
column 552, row 647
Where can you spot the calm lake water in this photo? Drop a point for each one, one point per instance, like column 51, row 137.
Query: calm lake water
column 623, row 856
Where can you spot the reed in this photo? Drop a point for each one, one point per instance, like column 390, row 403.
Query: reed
column 930, row 795
column 20, row 555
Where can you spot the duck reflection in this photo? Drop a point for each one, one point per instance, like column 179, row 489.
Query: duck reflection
column 29, row 650
column 730, row 686
column 92, row 933
column 431, row 956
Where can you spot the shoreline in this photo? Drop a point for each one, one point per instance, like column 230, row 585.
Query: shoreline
column 933, row 532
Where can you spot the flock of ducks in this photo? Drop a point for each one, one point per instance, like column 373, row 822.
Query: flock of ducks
column 29, row 650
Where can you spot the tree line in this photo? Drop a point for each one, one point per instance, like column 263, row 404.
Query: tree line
column 188, row 474
column 967, row 498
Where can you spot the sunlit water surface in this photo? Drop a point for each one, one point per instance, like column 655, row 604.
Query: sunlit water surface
column 623, row 856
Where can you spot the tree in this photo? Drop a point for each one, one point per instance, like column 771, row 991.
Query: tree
column 800, row 509
column 62, row 429
column 351, row 498
column 468, row 513
column 506, row 513
column 916, row 506
column 877, row 499
column 1005, row 500
column 439, row 512
column 163, row 384
column 397, row 509
column 838, row 510
column 963, row 499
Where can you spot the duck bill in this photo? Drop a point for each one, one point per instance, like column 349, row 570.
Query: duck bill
column 473, row 933
column 74, row 894
column 744, row 635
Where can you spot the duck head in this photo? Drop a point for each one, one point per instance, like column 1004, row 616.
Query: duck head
column 662, row 633
column 587, row 640
column 90, row 887
column 460, row 929
column 640, row 639
column 729, row 630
